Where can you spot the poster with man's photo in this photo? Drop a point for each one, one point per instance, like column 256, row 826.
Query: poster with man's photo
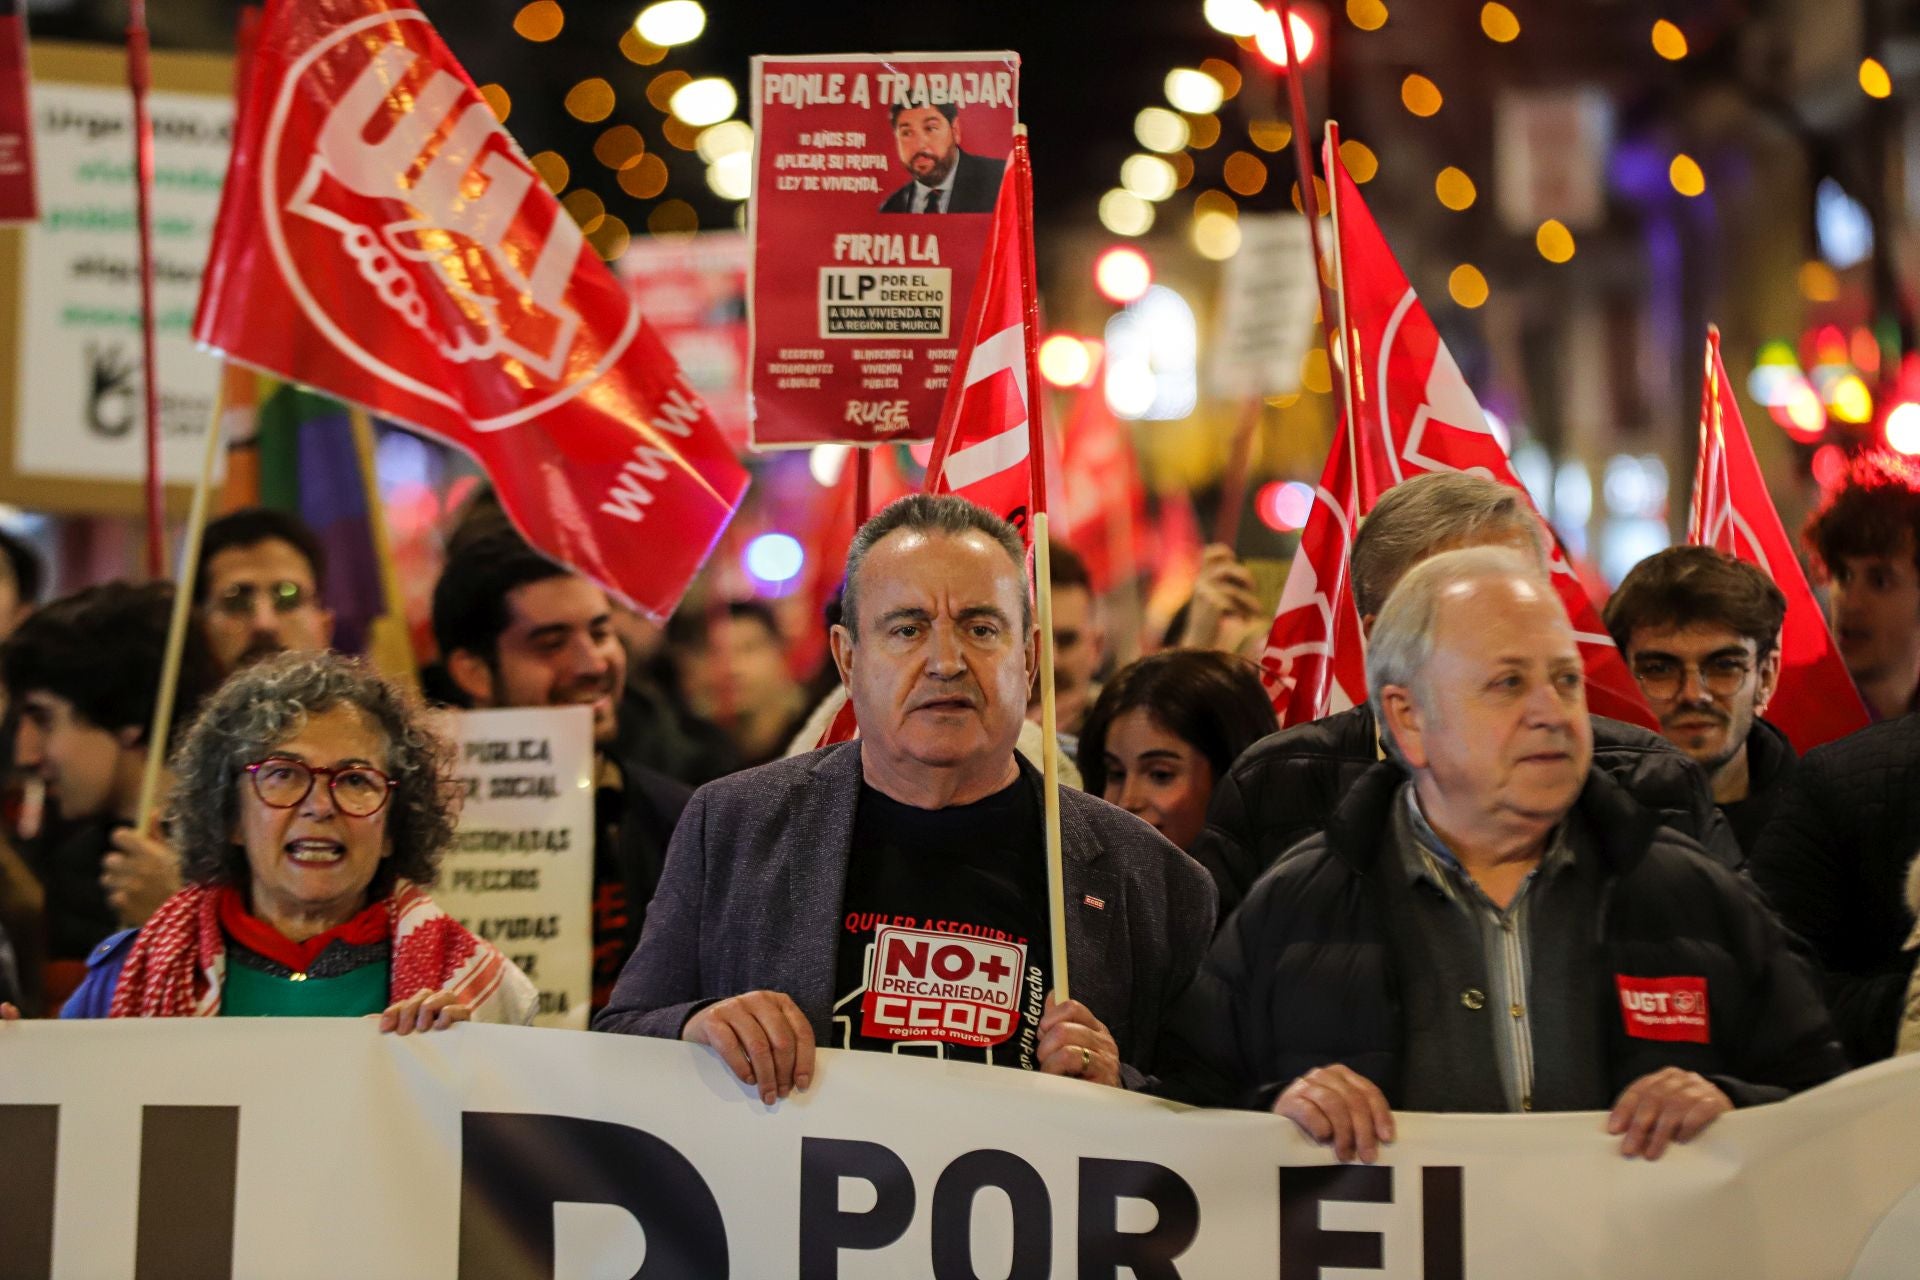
column 875, row 176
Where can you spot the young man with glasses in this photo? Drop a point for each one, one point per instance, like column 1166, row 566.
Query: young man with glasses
column 1700, row 631
column 258, row 588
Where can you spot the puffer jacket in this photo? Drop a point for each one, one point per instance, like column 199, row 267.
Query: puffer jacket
column 1302, row 975
column 1833, row 862
column 1286, row 786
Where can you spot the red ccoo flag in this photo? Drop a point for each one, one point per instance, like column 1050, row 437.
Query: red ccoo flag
column 1414, row 413
column 987, row 448
column 1315, row 660
column 381, row 238
column 1816, row 701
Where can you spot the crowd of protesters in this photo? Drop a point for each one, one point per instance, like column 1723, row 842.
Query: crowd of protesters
column 1465, row 894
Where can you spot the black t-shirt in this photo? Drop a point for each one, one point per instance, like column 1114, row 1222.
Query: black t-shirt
column 943, row 937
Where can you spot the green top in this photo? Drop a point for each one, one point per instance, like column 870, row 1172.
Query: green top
column 250, row 993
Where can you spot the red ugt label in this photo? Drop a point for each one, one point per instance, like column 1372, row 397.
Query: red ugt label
column 1664, row 1008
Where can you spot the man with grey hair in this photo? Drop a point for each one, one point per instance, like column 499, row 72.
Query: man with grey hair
column 1284, row 787
column 1495, row 926
column 889, row 894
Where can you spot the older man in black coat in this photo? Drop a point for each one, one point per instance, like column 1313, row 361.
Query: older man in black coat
column 889, row 894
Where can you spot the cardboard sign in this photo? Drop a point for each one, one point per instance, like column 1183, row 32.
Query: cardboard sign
column 874, row 180
column 520, row 872
column 1267, row 300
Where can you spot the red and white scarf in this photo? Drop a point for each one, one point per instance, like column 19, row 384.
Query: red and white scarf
column 179, row 958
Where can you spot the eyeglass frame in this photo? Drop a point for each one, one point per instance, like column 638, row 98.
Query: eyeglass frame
column 314, row 773
column 1749, row 667
column 287, row 596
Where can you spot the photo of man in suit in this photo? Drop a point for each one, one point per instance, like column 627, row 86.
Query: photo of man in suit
column 946, row 179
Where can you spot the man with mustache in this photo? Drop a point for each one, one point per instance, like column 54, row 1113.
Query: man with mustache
column 890, row 894
column 257, row 590
column 1488, row 923
column 946, row 179
column 517, row 630
column 1700, row 631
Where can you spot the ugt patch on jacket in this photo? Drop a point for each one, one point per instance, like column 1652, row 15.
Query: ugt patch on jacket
column 1664, row 1008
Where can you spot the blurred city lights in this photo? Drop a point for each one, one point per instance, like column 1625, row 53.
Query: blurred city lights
column 1065, row 360
column 1284, row 505
column 1455, row 189
column 1152, row 358
column 1360, row 161
column 1270, row 135
column 774, row 557
column 731, row 176
column 1194, row 92
column 825, row 462
column 1850, row 400
column 498, row 100
column 1499, row 22
column 1226, row 73
column 1159, row 129
column 1467, row 286
column 1685, row 175
column 645, row 180
column 708, row 100
column 552, row 168
column 636, row 48
column 1368, row 15
column 1273, row 45
column 1237, row 18
column 1122, row 274
column 591, row 100
column 585, row 207
column 1244, row 173
column 1315, row 373
column 1215, row 202
column 724, row 139
column 1830, row 466
column 1669, row 41
column 661, row 88
column 1125, row 214
column 1202, row 131
column 1554, row 241
column 671, row 22
column 1420, row 95
column 1802, row 415
column 610, row 237
column 1149, row 177
column 1216, row 236
column 620, row 147
column 1874, row 80
column 1903, row 427
column 540, row 21
column 1841, row 224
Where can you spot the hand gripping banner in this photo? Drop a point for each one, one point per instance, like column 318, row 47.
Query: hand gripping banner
column 383, row 239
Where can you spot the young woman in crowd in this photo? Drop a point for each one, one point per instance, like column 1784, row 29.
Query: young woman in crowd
column 311, row 811
column 1165, row 728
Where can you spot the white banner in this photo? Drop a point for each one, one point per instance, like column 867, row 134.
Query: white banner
column 320, row 1148
column 520, row 872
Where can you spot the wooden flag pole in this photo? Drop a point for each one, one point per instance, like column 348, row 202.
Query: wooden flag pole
column 1343, row 349
column 139, row 82
column 388, row 644
column 1233, row 484
column 182, row 619
column 1050, row 758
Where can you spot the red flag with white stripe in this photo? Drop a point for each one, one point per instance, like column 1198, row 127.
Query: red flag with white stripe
column 1732, row 511
column 1414, row 413
column 1315, row 659
column 987, row 448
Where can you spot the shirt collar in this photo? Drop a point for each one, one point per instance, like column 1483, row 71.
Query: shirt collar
column 1425, row 856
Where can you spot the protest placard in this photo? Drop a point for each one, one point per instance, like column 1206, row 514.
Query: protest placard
column 520, row 872
column 858, row 291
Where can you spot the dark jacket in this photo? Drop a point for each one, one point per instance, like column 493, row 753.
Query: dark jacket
column 1284, row 788
column 650, row 805
column 1833, row 861
column 976, row 186
column 753, row 888
column 1302, row 975
column 1770, row 761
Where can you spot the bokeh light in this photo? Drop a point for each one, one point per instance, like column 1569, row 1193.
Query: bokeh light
column 1420, row 95
column 1122, row 275
column 620, row 147
column 1273, row 45
column 591, row 100
column 1159, row 129
column 731, row 176
column 1685, row 175
column 1065, row 360
column 540, row 21
column 1125, row 214
column 1874, row 80
column 1237, row 18
column 1149, row 177
column 1554, row 241
column 646, row 179
column 1499, row 22
column 1244, row 173
column 1360, row 161
column 671, row 22
column 1467, row 286
column 1270, row 135
column 1226, row 73
column 1818, row 281
column 724, row 139
column 1316, row 375
column 1368, row 15
column 1669, row 41
column 585, row 208
column 774, row 557
column 673, row 218
column 702, row 102
column 1455, row 189
column 498, row 101
column 553, row 170
column 1850, row 400
column 1202, row 131
column 1284, row 505
column 1903, row 427
column 1216, row 236
column 1193, row 91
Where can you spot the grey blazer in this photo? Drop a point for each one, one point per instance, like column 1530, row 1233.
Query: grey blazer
column 750, row 900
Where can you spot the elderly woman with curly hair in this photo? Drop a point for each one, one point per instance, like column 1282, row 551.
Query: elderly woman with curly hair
column 311, row 809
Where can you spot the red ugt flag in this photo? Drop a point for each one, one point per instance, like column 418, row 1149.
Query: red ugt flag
column 381, row 238
column 987, row 448
column 1816, row 701
column 1415, row 413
